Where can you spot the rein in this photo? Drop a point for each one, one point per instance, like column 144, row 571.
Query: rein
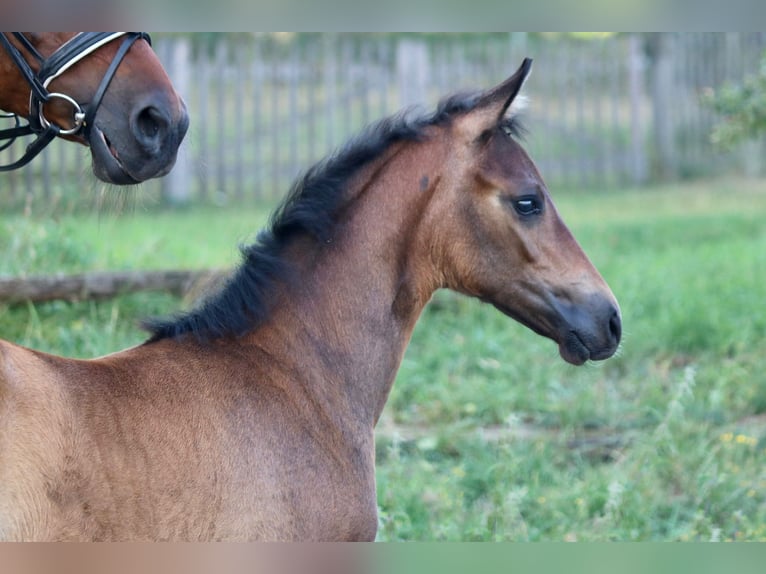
column 74, row 50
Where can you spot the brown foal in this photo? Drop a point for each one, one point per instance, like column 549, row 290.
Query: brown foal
column 252, row 417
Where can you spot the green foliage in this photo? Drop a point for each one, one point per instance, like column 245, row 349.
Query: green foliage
column 742, row 107
column 27, row 245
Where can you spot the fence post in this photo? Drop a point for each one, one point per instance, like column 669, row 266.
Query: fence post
column 517, row 43
column 412, row 72
column 661, row 73
column 635, row 79
column 753, row 152
column 176, row 186
column 329, row 61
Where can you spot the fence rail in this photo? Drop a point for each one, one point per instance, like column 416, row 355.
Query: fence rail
column 619, row 110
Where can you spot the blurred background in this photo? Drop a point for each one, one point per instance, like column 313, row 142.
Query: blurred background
column 605, row 109
column 652, row 146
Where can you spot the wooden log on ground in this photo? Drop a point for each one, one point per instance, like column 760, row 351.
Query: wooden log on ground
column 100, row 285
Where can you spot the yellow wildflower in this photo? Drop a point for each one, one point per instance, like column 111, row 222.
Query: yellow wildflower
column 746, row 440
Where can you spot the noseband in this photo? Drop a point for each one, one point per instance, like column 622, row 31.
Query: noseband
column 79, row 47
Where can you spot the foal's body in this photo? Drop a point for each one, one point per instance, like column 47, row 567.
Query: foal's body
column 173, row 423
column 201, row 434
column 174, row 456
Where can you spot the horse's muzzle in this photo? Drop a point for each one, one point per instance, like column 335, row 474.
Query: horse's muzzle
column 147, row 149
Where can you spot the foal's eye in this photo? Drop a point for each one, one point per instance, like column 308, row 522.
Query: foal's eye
column 525, row 206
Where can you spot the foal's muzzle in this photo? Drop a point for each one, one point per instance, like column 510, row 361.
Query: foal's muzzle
column 589, row 330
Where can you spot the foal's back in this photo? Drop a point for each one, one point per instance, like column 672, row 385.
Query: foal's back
column 159, row 442
column 74, row 441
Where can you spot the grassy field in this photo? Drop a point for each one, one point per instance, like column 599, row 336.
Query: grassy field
column 488, row 435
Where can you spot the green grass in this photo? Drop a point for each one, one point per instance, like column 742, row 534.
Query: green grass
column 488, row 435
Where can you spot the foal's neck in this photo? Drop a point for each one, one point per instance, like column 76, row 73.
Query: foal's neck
column 360, row 294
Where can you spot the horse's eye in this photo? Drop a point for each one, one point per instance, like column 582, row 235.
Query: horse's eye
column 529, row 205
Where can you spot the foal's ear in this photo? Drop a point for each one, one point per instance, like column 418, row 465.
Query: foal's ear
column 494, row 103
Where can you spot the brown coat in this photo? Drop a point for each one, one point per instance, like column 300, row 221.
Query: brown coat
column 211, row 431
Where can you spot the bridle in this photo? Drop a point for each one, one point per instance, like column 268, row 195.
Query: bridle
column 71, row 52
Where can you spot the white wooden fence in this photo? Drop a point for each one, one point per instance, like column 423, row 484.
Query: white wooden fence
column 603, row 112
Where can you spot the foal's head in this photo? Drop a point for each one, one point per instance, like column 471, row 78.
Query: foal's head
column 498, row 236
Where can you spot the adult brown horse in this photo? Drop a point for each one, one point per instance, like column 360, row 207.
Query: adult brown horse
column 252, row 416
column 106, row 90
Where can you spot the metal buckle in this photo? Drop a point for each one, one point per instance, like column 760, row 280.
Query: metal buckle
column 79, row 114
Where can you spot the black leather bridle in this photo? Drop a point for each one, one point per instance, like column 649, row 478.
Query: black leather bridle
column 74, row 50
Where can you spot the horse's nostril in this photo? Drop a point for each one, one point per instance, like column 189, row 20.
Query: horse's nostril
column 615, row 326
column 150, row 122
column 150, row 129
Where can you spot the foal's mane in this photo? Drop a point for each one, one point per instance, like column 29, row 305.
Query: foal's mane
column 309, row 209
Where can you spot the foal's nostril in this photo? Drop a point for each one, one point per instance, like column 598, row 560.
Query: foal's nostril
column 615, row 327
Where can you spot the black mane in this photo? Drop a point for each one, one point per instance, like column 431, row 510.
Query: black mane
column 309, row 209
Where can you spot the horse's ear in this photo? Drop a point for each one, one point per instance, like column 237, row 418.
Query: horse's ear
column 494, row 103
